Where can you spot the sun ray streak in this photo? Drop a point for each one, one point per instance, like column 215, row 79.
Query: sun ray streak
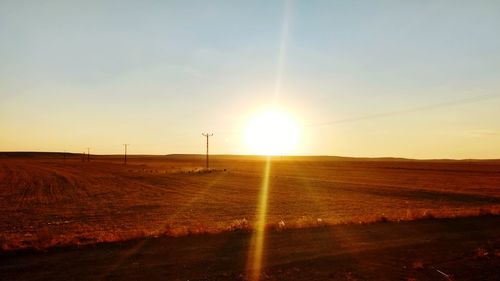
column 257, row 243
column 256, row 250
column 282, row 51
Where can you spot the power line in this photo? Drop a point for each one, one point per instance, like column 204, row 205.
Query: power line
column 125, row 159
column 207, row 135
column 395, row 112
column 408, row 110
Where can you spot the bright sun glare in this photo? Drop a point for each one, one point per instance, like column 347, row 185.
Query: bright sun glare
column 271, row 132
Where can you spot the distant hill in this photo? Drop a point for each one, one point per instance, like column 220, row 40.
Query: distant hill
column 30, row 154
column 52, row 155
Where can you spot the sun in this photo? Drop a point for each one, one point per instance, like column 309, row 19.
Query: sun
column 271, row 132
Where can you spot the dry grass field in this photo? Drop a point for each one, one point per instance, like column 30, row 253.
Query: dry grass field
column 48, row 201
column 166, row 218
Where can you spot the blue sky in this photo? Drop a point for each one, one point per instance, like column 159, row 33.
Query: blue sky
column 157, row 73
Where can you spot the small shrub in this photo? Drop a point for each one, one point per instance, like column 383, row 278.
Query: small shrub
column 239, row 224
column 320, row 222
column 281, row 225
column 305, row 221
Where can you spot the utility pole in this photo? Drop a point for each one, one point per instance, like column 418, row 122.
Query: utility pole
column 125, row 159
column 207, row 135
column 88, row 154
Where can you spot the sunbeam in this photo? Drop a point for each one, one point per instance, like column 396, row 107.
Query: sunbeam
column 282, row 51
column 256, row 250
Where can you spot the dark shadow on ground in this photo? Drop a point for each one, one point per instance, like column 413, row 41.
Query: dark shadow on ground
column 463, row 248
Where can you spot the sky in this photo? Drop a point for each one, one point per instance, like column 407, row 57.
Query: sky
column 417, row 79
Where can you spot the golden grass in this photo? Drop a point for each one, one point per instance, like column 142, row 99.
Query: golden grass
column 49, row 203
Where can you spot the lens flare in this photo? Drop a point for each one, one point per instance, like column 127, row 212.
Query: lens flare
column 255, row 253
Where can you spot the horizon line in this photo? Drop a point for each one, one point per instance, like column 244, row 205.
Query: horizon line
column 262, row 155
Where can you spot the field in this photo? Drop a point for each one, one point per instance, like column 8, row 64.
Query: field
column 324, row 215
column 48, row 201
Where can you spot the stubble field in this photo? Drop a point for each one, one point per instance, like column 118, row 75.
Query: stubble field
column 49, row 201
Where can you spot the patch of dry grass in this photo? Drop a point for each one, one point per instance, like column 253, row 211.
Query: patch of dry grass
column 50, row 203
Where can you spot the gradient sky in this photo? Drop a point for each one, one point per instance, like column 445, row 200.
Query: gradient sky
column 415, row 79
